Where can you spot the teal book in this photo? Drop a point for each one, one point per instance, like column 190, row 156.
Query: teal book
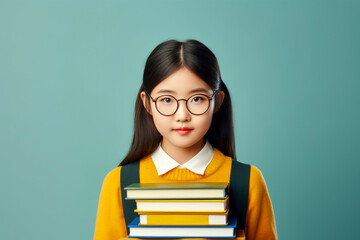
column 195, row 190
column 140, row 231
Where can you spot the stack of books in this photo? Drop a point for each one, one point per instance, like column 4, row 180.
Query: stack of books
column 181, row 210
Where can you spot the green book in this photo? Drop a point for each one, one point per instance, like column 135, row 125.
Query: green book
column 195, row 190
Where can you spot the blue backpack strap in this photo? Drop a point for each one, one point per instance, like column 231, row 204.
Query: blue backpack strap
column 129, row 175
column 239, row 192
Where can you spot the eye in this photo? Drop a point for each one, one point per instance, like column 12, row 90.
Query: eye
column 198, row 99
column 166, row 100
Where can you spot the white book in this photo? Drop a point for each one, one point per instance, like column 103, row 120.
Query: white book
column 183, row 205
column 194, row 190
column 183, row 218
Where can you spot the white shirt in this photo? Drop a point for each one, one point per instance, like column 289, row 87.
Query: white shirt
column 198, row 164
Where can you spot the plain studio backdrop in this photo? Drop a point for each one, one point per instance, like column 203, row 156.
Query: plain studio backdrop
column 70, row 71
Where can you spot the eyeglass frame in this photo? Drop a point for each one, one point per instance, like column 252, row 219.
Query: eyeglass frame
column 183, row 99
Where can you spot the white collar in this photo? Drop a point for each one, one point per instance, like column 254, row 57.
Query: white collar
column 198, row 164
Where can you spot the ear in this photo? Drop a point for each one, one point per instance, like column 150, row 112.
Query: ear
column 219, row 100
column 146, row 102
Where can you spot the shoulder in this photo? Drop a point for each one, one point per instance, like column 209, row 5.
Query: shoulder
column 255, row 174
column 257, row 181
column 115, row 173
column 112, row 179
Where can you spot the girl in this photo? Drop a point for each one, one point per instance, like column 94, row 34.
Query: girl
column 183, row 133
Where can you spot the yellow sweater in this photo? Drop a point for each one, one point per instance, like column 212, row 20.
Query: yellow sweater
column 260, row 221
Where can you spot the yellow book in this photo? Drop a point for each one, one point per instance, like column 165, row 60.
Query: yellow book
column 183, row 218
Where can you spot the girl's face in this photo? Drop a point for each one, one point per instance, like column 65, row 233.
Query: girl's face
column 182, row 130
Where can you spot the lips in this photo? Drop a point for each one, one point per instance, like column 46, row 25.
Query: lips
column 183, row 131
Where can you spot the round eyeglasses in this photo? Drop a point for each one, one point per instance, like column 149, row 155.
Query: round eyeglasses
column 197, row 104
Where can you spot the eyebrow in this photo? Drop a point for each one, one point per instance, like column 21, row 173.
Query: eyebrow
column 196, row 90
column 165, row 91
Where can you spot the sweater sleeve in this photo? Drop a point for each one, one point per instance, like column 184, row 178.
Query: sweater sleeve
column 110, row 222
column 260, row 220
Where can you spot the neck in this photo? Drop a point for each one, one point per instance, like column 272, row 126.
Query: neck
column 182, row 154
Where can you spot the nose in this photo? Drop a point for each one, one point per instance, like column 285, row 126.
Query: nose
column 182, row 114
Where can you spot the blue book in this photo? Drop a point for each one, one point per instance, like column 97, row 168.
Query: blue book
column 141, row 231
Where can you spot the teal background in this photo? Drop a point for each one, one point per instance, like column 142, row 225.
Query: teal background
column 70, row 71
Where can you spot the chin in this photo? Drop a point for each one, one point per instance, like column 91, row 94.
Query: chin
column 187, row 144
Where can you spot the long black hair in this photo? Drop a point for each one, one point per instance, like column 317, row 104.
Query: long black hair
column 164, row 60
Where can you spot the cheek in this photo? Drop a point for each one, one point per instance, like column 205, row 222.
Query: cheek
column 204, row 121
column 157, row 118
column 160, row 123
